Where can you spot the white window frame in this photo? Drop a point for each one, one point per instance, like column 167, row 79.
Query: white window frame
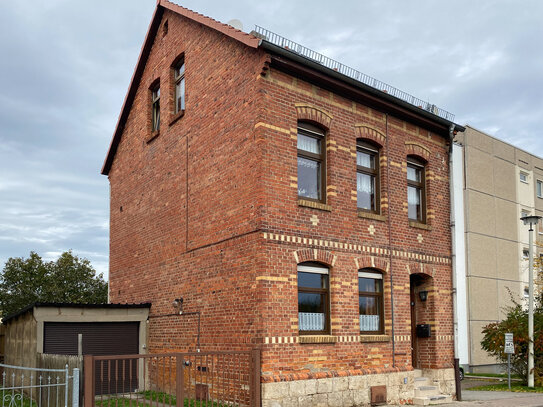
column 525, row 175
column 540, row 184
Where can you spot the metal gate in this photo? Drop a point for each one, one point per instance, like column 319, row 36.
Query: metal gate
column 208, row 379
column 37, row 387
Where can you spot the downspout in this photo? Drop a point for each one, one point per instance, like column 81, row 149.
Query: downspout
column 453, row 241
column 390, row 246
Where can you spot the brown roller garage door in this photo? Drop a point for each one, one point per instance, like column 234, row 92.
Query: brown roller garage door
column 99, row 338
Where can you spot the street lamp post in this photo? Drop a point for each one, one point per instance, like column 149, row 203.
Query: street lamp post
column 531, row 220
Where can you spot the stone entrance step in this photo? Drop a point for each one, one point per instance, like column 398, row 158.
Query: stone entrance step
column 426, row 393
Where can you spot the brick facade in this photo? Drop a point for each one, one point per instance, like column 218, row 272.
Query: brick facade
column 208, row 210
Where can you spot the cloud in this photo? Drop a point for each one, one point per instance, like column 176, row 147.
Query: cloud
column 70, row 63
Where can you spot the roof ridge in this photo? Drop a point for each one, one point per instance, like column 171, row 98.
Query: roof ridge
column 234, row 30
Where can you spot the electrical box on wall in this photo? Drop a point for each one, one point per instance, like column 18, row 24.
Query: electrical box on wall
column 424, row 331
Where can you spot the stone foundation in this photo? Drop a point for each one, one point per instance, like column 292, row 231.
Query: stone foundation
column 351, row 390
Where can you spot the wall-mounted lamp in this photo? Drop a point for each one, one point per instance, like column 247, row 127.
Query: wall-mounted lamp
column 423, row 295
column 178, row 305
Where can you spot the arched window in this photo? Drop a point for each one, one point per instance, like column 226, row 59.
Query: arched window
column 370, row 301
column 416, row 189
column 313, row 299
column 311, row 163
column 367, row 177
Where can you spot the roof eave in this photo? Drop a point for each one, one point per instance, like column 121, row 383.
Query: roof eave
column 400, row 105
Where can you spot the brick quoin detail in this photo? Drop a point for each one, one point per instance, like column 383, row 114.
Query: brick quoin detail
column 311, row 113
column 412, row 148
column 369, row 133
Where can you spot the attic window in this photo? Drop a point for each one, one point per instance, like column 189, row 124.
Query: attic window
column 165, row 28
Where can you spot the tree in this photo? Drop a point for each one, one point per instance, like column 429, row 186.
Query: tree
column 516, row 322
column 68, row 279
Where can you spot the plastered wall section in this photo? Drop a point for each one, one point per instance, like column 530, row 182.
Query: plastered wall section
column 494, row 198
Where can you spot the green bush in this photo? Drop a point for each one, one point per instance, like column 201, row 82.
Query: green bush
column 516, row 322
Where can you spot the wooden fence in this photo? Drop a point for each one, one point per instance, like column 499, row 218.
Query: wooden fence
column 50, row 361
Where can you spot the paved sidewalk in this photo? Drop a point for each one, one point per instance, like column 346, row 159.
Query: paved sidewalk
column 498, row 399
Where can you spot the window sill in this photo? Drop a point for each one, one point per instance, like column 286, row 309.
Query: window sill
column 177, row 116
column 317, row 339
column 314, row 205
column 418, row 225
column 374, row 338
column 153, row 136
column 370, row 215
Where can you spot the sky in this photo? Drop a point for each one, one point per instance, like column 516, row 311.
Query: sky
column 65, row 67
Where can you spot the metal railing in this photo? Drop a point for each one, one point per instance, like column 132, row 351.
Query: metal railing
column 173, row 379
column 38, row 387
column 350, row 72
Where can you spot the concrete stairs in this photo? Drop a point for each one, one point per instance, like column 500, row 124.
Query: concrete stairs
column 427, row 392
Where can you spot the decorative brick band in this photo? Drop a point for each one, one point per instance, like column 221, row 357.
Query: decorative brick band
column 269, row 126
column 330, row 244
column 308, row 112
column 370, row 133
column 288, row 377
column 413, row 148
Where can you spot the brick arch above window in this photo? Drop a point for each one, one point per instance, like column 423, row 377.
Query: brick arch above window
column 315, row 255
column 313, row 114
column 378, row 263
column 363, row 131
column 420, row 268
column 416, row 149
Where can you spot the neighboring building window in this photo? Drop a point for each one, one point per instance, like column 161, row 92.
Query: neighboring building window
column 526, row 292
column 155, row 108
column 539, row 187
column 367, row 177
column 416, row 197
column 313, row 298
column 311, row 163
column 524, row 177
column 370, row 301
column 525, row 254
column 179, row 78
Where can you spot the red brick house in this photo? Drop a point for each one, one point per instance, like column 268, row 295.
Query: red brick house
column 298, row 209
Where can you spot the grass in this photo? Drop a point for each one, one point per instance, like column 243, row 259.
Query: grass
column 153, row 398
column 16, row 400
column 515, row 387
